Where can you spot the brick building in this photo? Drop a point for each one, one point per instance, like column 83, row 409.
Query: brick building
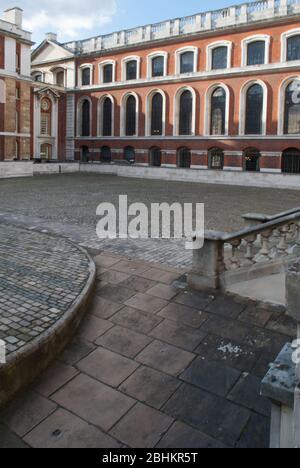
column 15, row 88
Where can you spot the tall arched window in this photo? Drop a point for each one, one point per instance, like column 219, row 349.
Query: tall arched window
column 157, row 115
column 131, row 106
column 105, row 155
column 218, row 112
column 86, row 76
column 129, row 154
column 107, row 117
column 85, row 118
column 216, row 159
column 292, row 110
column 186, row 113
column 291, row 161
column 155, row 157
column 252, row 160
column 184, row 158
column 293, row 48
column 254, row 110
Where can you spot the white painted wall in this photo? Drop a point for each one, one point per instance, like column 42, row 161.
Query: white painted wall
column 10, row 54
column 25, row 60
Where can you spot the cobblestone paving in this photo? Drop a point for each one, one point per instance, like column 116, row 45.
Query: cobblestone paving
column 67, row 205
column 40, row 278
column 154, row 365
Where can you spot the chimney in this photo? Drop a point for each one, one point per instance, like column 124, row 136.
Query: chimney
column 14, row 16
column 50, row 36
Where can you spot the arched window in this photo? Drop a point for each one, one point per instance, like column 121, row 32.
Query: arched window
column 184, row 158
column 293, row 48
column 105, row 155
column 216, row 159
column 131, row 106
column 256, row 53
column 107, row 117
column 158, row 66
column 85, row 118
column 252, row 160
column 129, row 154
column 186, row 113
column 46, row 117
column 219, row 58
column 291, row 161
column 131, row 70
column 292, row 110
column 187, row 62
column 86, row 76
column 157, row 115
column 254, row 110
column 108, row 73
column 38, row 77
column 155, row 157
column 218, row 112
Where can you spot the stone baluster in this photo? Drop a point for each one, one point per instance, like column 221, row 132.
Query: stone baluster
column 265, row 240
column 250, row 241
column 282, row 246
column 234, row 260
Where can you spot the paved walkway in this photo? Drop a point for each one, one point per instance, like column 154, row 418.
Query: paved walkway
column 154, row 365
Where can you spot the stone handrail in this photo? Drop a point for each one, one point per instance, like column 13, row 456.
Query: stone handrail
column 257, row 218
column 254, row 251
column 207, row 21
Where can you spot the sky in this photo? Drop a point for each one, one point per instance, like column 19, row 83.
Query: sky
column 78, row 19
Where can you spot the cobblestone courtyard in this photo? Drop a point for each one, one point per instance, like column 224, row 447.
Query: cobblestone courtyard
column 67, row 205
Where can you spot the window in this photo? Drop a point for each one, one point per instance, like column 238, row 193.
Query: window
column 218, row 112
column 131, row 122
column 105, row 155
column 60, row 78
column 108, row 73
column 184, row 158
column 129, row 154
column 291, row 161
column 254, row 110
column 86, row 76
column 219, row 58
column 186, row 113
column 46, row 108
column 187, row 62
column 38, row 77
column 216, row 159
column 256, row 53
column 292, row 110
column 293, row 48
column 155, row 157
column 157, row 115
column 158, row 66
column 252, row 160
column 131, row 70
column 46, row 152
column 107, row 117
column 85, row 118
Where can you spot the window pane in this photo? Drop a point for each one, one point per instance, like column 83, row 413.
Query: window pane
column 291, row 161
column 155, row 157
column 45, row 124
column 108, row 73
column 60, row 78
column 292, row 111
column 216, row 159
column 86, row 118
column 219, row 58
column 187, row 62
column 131, row 70
column 186, row 113
column 157, row 117
column 293, row 48
column 107, row 117
column 254, row 110
column 218, row 111
column 86, row 77
column 158, row 66
column 131, row 116
column 252, row 157
column 256, row 53
column 129, row 154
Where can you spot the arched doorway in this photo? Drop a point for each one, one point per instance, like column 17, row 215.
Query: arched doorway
column 291, row 161
column 184, row 159
column 105, row 156
column 85, row 154
column 216, row 159
column 155, row 157
column 129, row 154
column 46, row 152
column 252, row 160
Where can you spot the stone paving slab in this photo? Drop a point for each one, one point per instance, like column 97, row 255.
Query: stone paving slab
column 165, row 378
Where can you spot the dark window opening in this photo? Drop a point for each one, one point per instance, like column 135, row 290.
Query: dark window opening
column 155, row 157
column 254, row 110
column 108, row 73
column 158, row 66
column 131, row 70
column 129, row 154
column 105, row 154
column 131, row 116
column 186, row 113
column 252, row 160
column 292, row 110
column 184, row 158
column 256, row 53
column 291, row 161
column 107, row 117
column 86, row 77
column 219, row 58
column 293, row 48
column 85, row 118
column 157, row 115
column 187, row 62
column 216, row 159
column 218, row 112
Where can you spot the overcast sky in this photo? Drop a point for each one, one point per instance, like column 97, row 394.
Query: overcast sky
column 77, row 19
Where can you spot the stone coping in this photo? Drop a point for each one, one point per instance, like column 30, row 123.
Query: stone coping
column 41, row 305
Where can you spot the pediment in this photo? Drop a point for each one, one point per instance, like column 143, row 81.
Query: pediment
column 47, row 91
column 50, row 51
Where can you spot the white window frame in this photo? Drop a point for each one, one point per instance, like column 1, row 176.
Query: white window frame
column 101, row 70
column 79, row 117
column 248, row 40
column 242, row 114
column 176, row 115
column 178, row 55
column 215, row 45
column 281, row 105
column 149, row 112
column 81, row 68
column 123, row 115
column 56, row 70
column 207, row 117
column 100, row 115
column 124, row 63
column 284, row 39
column 150, row 58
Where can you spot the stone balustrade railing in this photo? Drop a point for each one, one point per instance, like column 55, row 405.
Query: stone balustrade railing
column 211, row 20
column 255, row 251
